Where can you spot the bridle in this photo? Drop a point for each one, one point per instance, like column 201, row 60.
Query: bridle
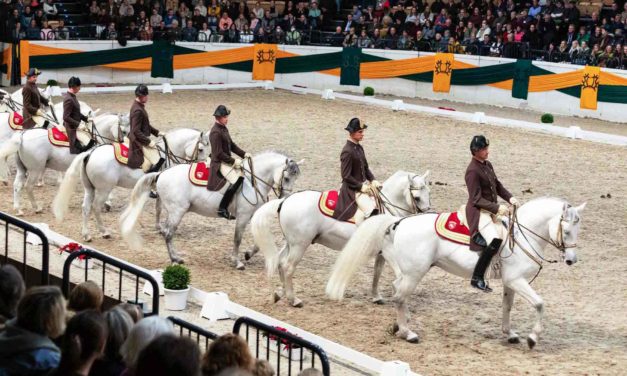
column 414, row 206
column 277, row 187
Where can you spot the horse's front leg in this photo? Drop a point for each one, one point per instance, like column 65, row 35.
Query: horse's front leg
column 378, row 269
column 508, row 300
column 522, row 287
column 240, row 226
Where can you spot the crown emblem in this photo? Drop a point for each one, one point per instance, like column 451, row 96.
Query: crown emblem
column 446, row 69
column 589, row 82
column 266, row 56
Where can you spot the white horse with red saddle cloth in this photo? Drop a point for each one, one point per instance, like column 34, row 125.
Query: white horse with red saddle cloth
column 305, row 219
column 104, row 168
column 412, row 246
column 38, row 149
column 183, row 189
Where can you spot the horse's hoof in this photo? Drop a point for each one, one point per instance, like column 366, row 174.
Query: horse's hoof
column 276, row 297
column 395, row 328
column 413, row 338
column 106, row 236
column 297, row 303
column 513, row 339
column 19, row 213
column 248, row 255
column 87, row 238
column 107, row 207
column 39, row 210
column 40, row 184
column 531, row 342
column 378, row 300
column 240, row 266
column 5, row 183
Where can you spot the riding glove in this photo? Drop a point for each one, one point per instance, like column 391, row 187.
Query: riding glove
column 365, row 188
column 503, row 210
column 514, row 201
column 376, row 184
column 161, row 134
column 237, row 164
column 248, row 155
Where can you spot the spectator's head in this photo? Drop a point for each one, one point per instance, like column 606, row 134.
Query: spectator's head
column 86, row 295
column 486, row 38
column 609, row 49
column 263, row 368
column 563, row 45
column 603, row 32
column 205, row 26
column 141, row 335
column 189, row 23
column 229, row 350
column 376, row 32
column 363, row 33
column 42, row 311
column 175, row 24
column 27, row 10
column 532, row 28
column 119, row 324
column 352, row 30
column 33, row 23
column 510, row 37
column 169, row 355
column 418, row 34
column 584, row 45
column 310, row 372
column 547, row 17
column 405, row 34
column 575, row 44
column 484, row 24
column 11, row 290
column 338, row 30
column 16, row 13
column 83, row 342
column 518, row 28
column 170, row 12
column 438, row 37
column 392, row 31
column 451, row 40
column 154, row 12
column 571, row 28
column 349, row 17
column 112, row 26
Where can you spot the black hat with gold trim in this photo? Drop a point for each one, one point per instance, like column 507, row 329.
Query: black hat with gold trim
column 221, row 111
column 478, row 142
column 33, row 72
column 355, row 125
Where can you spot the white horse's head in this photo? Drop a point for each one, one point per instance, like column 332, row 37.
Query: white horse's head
column 419, row 192
column 199, row 148
column 278, row 170
column 407, row 193
column 125, row 124
column 285, row 176
column 564, row 231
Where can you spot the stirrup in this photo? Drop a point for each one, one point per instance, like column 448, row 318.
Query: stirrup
column 480, row 283
column 224, row 213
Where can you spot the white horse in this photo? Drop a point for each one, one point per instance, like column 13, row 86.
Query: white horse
column 412, row 247
column 177, row 195
column 303, row 224
column 35, row 153
column 100, row 172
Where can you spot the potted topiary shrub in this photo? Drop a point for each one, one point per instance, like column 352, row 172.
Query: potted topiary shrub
column 368, row 91
column 52, row 88
column 176, row 287
column 547, row 118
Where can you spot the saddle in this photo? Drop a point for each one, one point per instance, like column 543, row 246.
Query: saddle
column 15, row 121
column 328, row 202
column 120, row 152
column 58, row 137
column 199, row 174
column 451, row 227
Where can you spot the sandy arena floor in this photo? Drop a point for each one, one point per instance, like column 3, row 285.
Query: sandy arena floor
column 585, row 322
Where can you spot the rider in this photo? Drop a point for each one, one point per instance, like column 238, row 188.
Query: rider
column 72, row 117
column 139, row 136
column 223, row 167
column 32, row 100
column 482, row 208
column 358, row 181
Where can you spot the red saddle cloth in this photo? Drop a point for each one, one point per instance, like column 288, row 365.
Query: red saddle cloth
column 449, row 227
column 58, row 137
column 199, row 174
column 15, row 121
column 120, row 151
column 328, row 202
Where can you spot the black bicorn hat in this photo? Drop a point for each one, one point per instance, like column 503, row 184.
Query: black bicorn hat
column 74, row 81
column 355, row 125
column 221, row 111
column 33, row 72
column 479, row 142
column 141, row 90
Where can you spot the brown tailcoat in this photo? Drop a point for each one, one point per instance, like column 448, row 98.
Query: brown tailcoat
column 139, row 135
column 221, row 148
column 71, row 119
column 32, row 100
column 483, row 189
column 355, row 172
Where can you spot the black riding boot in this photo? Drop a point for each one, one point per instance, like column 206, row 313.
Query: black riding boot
column 477, row 280
column 223, row 210
column 157, row 166
column 86, row 147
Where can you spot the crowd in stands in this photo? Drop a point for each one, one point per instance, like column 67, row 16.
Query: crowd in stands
column 551, row 30
column 43, row 335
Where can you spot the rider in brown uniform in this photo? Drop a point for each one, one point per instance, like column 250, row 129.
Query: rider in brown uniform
column 482, row 209
column 223, row 167
column 72, row 118
column 32, row 100
column 357, row 179
column 139, row 135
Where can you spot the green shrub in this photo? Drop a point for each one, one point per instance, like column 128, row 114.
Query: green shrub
column 52, row 83
column 547, row 118
column 176, row 277
column 369, row 91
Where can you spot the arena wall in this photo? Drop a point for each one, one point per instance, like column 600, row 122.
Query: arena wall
column 552, row 101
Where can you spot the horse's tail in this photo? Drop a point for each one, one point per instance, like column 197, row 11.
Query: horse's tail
column 262, row 233
column 10, row 147
column 61, row 201
column 364, row 244
column 129, row 217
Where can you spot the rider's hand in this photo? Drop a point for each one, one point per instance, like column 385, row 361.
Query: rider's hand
column 160, row 134
column 237, row 164
column 514, row 201
column 503, row 210
column 152, row 144
column 365, row 188
column 39, row 113
column 248, row 155
column 376, row 184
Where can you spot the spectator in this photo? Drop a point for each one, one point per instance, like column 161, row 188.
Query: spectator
column 484, row 46
column 171, row 4
column 348, row 24
column 261, row 36
column 229, row 350
column 302, row 24
column 86, row 295
column 364, row 40
column 263, row 368
column 61, row 31
column 563, row 51
column 315, row 16
column 350, row 40
column 484, row 30
column 377, row 40
column 26, row 343
column 533, row 38
column 155, row 18
column 510, row 48
column 571, row 13
column 258, row 10
column 240, row 22
column 425, row 16
column 201, row 8
column 557, row 14
column 33, row 32
column 392, row 39
column 231, row 35
column 119, row 325
column 140, row 6
column 50, row 9
column 519, row 35
column 189, row 33
column 535, row 9
column 204, row 35
column 225, row 23
column 268, row 23
column 83, row 342
column 404, row 41
column 126, row 11
column 246, row 36
column 574, row 51
column 169, row 355
column 145, row 33
column 184, row 13
column 46, row 32
column 26, row 18
column 428, row 31
column 140, row 336
column 454, row 47
column 279, row 35
column 174, row 32
column 571, row 35
column 11, row 291
column 170, row 18
column 40, row 17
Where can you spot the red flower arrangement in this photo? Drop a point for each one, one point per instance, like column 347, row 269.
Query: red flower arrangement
column 285, row 342
column 72, row 247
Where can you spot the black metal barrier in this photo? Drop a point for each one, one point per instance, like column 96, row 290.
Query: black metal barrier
column 32, row 275
column 190, row 330
column 295, row 347
column 123, row 268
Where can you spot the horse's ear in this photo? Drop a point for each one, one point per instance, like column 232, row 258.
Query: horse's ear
column 565, row 208
column 426, row 175
column 581, row 207
column 301, row 162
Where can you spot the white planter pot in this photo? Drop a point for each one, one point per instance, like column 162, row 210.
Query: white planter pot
column 175, row 300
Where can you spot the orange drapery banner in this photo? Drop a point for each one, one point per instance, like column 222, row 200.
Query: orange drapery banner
column 396, row 68
column 442, row 72
column 24, row 57
column 7, row 58
column 590, row 81
column 264, row 61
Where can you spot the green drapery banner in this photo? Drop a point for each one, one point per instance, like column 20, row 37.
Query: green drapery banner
column 162, row 60
column 522, row 71
column 351, row 62
column 483, row 75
